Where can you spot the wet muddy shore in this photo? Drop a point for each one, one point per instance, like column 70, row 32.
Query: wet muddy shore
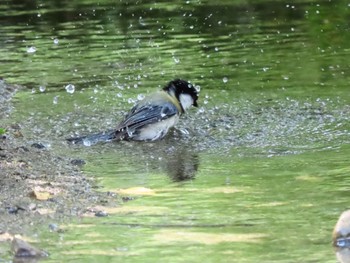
column 39, row 190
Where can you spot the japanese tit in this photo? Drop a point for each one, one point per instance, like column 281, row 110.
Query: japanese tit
column 151, row 118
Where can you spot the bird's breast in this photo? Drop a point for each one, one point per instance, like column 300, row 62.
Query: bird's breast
column 156, row 131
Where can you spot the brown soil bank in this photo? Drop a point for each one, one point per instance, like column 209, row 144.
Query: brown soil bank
column 38, row 188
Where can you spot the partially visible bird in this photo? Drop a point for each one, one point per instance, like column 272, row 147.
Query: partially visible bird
column 151, row 118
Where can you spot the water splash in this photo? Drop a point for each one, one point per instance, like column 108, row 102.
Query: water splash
column 70, row 88
column 42, row 88
column 31, row 50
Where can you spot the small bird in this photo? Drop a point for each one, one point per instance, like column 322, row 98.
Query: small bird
column 151, row 118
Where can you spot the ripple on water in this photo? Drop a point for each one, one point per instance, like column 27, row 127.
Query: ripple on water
column 273, row 127
column 257, row 126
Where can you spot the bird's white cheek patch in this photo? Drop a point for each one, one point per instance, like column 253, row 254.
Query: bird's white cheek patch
column 186, row 101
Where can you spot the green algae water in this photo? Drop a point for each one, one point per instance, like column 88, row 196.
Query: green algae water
column 258, row 173
column 245, row 209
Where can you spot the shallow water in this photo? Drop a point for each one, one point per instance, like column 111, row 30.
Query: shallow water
column 257, row 173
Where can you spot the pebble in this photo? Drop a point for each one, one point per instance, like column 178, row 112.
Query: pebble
column 22, row 249
column 53, row 227
column 38, row 145
column 78, row 162
column 101, row 214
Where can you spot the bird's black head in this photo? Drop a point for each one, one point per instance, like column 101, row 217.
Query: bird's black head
column 179, row 86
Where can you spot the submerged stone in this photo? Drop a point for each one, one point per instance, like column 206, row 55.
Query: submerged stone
column 22, row 249
column 78, row 162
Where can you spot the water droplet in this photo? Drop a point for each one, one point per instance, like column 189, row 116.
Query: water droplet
column 130, row 133
column 55, row 41
column 70, row 88
column 201, row 110
column 55, row 100
column 39, row 15
column 42, row 88
column 119, row 95
column 176, row 60
column 225, row 79
column 140, row 97
column 130, row 101
column 216, row 49
column 184, row 131
column 31, row 50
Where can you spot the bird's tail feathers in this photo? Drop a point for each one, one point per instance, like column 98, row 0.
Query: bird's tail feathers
column 92, row 139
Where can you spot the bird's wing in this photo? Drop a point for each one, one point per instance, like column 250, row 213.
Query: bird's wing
column 145, row 114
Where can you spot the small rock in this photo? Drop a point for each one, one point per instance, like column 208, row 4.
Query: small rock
column 112, row 194
column 23, row 149
column 22, row 249
column 38, row 145
column 53, row 227
column 101, row 213
column 15, row 126
column 78, row 162
column 127, row 198
column 32, row 206
column 18, row 134
column 39, row 195
column 13, row 209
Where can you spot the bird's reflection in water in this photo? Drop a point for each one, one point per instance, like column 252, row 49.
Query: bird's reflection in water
column 174, row 155
column 181, row 164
